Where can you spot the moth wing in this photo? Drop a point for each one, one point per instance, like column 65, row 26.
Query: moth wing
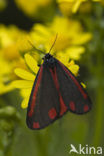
column 74, row 95
column 43, row 106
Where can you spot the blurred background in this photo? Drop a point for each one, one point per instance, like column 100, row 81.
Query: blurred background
column 80, row 28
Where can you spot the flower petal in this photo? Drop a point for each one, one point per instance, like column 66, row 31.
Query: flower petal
column 62, row 57
column 75, row 52
column 25, row 92
column 76, row 6
column 22, row 84
column 31, row 62
column 43, row 30
column 24, row 103
column 6, row 88
column 74, row 69
column 24, row 74
column 82, row 38
column 71, row 63
column 83, row 85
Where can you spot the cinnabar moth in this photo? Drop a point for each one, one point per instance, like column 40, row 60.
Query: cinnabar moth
column 55, row 91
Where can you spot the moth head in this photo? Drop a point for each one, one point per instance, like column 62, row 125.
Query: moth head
column 47, row 56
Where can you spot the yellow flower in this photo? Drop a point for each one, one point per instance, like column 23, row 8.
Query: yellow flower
column 6, row 88
column 74, row 68
column 72, row 6
column 70, row 34
column 13, row 41
column 27, row 77
column 71, row 53
column 10, row 55
column 31, row 7
column 5, row 72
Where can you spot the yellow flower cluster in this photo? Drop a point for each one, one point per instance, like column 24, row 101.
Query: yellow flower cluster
column 10, row 56
column 70, row 37
column 30, row 7
column 71, row 6
column 5, row 71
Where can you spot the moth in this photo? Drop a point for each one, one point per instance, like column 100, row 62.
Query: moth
column 55, row 92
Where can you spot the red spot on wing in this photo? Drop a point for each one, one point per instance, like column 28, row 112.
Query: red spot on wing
column 52, row 113
column 75, row 81
column 63, row 107
column 36, row 125
column 86, row 108
column 35, row 92
column 72, row 106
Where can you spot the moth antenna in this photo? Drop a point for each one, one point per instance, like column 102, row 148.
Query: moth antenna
column 35, row 48
column 53, row 43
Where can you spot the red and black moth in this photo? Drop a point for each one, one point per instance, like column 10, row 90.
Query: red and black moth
column 55, row 91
